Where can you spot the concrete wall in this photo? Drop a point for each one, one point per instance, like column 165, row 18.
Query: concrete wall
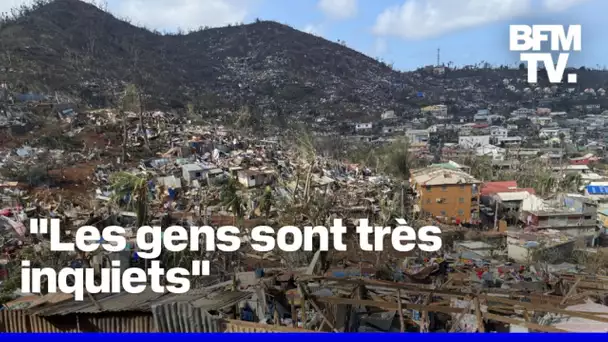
column 457, row 200
column 551, row 255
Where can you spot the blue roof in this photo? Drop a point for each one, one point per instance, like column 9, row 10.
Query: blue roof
column 597, row 190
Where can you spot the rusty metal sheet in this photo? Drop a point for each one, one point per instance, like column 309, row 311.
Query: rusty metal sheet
column 235, row 326
column 13, row 321
column 184, row 318
column 119, row 324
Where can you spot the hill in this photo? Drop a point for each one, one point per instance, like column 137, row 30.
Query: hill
column 72, row 47
column 66, row 44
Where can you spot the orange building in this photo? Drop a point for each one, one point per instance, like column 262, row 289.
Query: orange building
column 447, row 193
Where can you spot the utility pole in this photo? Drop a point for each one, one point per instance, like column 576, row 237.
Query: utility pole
column 496, row 215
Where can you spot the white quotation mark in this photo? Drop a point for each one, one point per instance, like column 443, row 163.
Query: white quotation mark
column 200, row 267
column 41, row 226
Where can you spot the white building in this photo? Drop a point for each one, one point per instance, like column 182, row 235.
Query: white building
column 510, row 140
column 549, row 133
column 392, row 129
column 255, row 178
column 417, row 136
column 541, row 120
column 473, row 141
column 586, row 174
column 389, row 114
column 497, row 132
column 559, row 114
column 192, row 172
column 497, row 153
column 523, row 112
column 436, row 128
column 363, row 126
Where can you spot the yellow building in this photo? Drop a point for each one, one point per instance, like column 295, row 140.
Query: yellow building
column 602, row 216
column 436, row 110
column 447, row 193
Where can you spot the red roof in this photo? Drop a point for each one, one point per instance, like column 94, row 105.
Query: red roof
column 493, row 187
column 506, row 186
column 580, row 161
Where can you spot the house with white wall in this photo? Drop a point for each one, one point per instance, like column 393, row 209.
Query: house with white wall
column 473, row 141
column 495, row 152
column 363, row 126
column 417, row 136
column 497, row 132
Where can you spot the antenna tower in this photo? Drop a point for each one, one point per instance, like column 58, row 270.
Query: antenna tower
column 438, row 56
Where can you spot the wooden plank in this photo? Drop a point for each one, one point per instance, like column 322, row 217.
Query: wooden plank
column 312, row 302
column 479, row 314
column 388, row 305
column 571, row 292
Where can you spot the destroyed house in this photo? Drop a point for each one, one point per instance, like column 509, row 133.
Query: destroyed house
column 547, row 245
column 255, row 178
column 192, row 172
column 504, row 206
column 144, row 312
column 214, row 175
column 572, row 214
column 447, row 193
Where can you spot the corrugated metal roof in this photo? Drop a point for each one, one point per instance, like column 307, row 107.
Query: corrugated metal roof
column 107, row 302
column 222, row 300
column 19, row 321
column 442, row 176
column 142, row 302
column 184, row 318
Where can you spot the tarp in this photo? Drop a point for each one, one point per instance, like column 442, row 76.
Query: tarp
column 577, row 324
column 597, row 190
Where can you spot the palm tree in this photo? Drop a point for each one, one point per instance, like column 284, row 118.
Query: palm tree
column 133, row 101
column 481, row 167
column 571, row 182
column 397, row 159
column 266, row 201
column 231, row 199
column 397, row 162
column 135, row 188
column 307, row 151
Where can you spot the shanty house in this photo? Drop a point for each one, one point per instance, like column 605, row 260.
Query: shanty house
column 254, row 178
column 192, row 172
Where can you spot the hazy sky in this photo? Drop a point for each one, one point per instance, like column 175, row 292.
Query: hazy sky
column 404, row 32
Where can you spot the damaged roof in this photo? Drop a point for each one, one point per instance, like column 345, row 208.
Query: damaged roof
column 144, row 301
column 442, row 176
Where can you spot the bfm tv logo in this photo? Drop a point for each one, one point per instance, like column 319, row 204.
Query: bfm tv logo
column 530, row 38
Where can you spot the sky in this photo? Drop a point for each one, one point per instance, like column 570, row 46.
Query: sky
column 406, row 33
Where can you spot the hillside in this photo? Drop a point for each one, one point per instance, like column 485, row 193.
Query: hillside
column 72, row 47
column 67, row 43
